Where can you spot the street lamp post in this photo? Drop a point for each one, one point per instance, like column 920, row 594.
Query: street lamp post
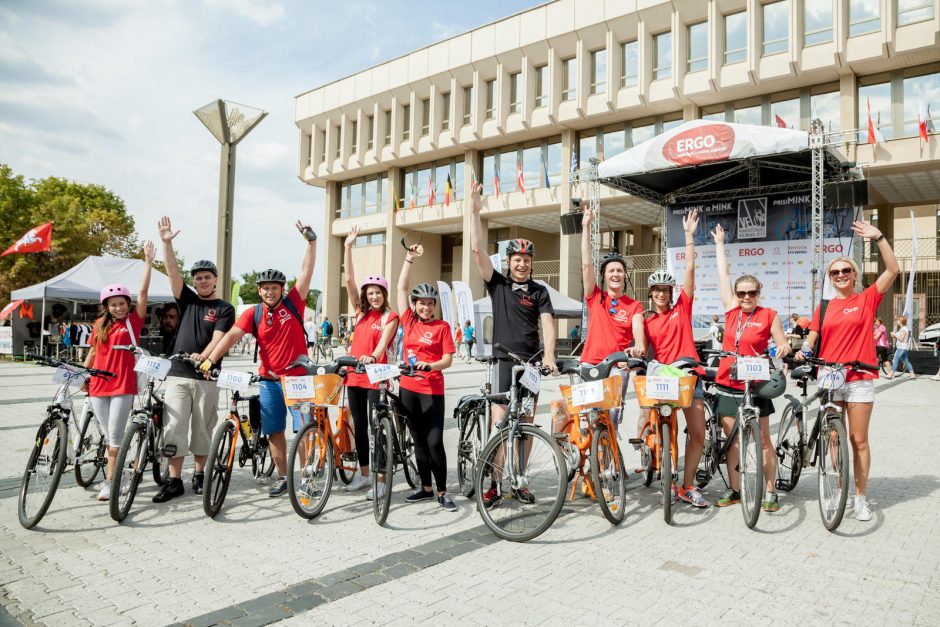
column 228, row 122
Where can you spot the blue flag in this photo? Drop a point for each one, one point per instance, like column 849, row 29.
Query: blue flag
column 545, row 170
column 574, row 161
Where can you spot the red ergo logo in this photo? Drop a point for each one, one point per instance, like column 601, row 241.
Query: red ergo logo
column 709, row 142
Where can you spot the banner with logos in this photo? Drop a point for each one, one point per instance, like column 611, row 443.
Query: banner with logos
column 447, row 304
column 6, row 340
column 463, row 299
column 766, row 236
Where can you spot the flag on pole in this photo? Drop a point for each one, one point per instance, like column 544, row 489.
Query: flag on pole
column 874, row 134
column 412, row 201
column 545, row 172
column 36, row 240
column 574, row 160
column 496, row 182
column 779, row 121
column 909, row 296
column 395, row 197
column 447, row 189
column 520, row 179
column 923, row 117
column 430, row 191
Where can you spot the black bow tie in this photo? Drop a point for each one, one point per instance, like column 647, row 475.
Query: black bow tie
column 520, row 286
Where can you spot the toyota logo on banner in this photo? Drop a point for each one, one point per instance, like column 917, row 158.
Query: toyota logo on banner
column 702, row 144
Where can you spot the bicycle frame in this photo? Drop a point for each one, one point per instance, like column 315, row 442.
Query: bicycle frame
column 654, row 438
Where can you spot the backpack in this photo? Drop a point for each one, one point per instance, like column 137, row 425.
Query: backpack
column 329, row 328
column 720, row 334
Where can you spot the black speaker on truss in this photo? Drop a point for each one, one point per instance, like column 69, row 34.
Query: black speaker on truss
column 571, row 223
column 846, row 194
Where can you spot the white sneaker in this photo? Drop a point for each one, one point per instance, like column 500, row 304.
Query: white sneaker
column 379, row 488
column 358, row 483
column 862, row 510
column 104, row 493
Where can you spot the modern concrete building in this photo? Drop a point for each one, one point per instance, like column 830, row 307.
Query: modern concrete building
column 574, row 80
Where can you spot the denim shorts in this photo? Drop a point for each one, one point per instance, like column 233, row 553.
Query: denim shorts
column 274, row 410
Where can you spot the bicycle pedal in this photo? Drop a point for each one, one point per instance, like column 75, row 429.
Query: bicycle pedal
column 348, row 457
column 636, row 440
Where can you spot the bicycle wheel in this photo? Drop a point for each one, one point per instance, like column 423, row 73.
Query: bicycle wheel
column 751, row 466
column 310, row 472
column 262, row 463
column 530, row 493
column 349, row 467
column 834, row 482
column 219, row 468
column 128, row 470
column 382, row 463
column 328, row 352
column 706, row 467
column 665, row 470
column 469, row 445
column 608, row 476
column 406, row 445
column 90, row 452
column 43, row 471
column 789, row 452
column 161, row 464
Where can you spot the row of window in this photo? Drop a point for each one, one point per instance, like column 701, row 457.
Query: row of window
column 895, row 100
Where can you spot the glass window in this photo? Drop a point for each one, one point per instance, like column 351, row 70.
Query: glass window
column 370, row 129
column 388, row 127
column 553, row 162
column 339, row 144
column 376, row 238
column 748, row 115
column 879, row 95
column 458, row 179
column 828, row 108
column 343, row 201
column 864, row 17
column 599, row 72
column 424, row 177
column 406, row 122
column 569, row 79
column 425, row 117
column 587, row 149
column 776, row 27
column 490, row 99
column 613, row 142
column 508, row 168
column 445, row 111
column 372, row 196
column 515, row 97
column 323, row 143
column 640, row 134
column 489, row 174
column 354, row 135
column 382, row 201
column 532, row 172
column 698, row 47
column 662, row 55
column 355, row 199
column 817, row 22
column 920, row 90
column 715, row 116
column 467, row 104
column 440, row 182
column 629, row 64
column 910, row 11
column 785, row 114
column 736, row 37
column 541, row 86
column 671, row 124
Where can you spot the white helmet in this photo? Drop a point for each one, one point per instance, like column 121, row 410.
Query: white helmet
column 661, row 277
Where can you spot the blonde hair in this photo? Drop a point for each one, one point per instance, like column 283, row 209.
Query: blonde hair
column 748, row 277
column 847, row 260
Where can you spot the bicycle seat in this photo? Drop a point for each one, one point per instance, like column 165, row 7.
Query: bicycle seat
column 570, row 366
column 589, row 372
column 801, row 373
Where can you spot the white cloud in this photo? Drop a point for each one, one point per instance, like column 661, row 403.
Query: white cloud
column 261, row 12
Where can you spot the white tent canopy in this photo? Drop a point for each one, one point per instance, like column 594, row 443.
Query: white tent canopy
column 84, row 281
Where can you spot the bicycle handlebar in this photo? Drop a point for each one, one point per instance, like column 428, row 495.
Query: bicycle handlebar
column 815, row 361
column 520, row 361
column 93, row 372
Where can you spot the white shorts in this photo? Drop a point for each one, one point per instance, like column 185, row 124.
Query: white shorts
column 862, row 391
column 190, row 412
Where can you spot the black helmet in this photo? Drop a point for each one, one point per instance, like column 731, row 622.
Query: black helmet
column 204, row 264
column 606, row 259
column 423, row 290
column 271, row 276
column 520, row 246
column 773, row 387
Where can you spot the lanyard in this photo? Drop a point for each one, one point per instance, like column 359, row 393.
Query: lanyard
column 740, row 328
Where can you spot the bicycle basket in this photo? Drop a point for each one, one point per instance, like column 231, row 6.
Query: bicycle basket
column 326, row 389
column 613, row 396
column 686, row 390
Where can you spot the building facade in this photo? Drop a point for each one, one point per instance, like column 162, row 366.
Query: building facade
column 516, row 104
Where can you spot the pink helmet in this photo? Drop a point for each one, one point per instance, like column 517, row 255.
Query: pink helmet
column 374, row 279
column 115, row 289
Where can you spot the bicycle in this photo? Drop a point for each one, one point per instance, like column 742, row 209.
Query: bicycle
column 317, row 452
column 143, row 440
column 473, row 422
column 236, row 425
column 526, row 458
column 796, row 451
column 589, row 435
column 50, row 454
column 322, row 348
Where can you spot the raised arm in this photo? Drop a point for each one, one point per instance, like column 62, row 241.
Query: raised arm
column 724, row 278
column 352, row 291
column 169, row 255
column 892, row 267
column 404, row 279
column 477, row 239
column 310, row 259
column 150, row 251
column 587, row 255
column 689, row 224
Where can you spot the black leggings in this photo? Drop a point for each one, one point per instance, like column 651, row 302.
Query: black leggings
column 360, row 399
column 425, row 416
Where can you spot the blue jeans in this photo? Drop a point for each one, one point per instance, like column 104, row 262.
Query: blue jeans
column 899, row 356
column 274, row 410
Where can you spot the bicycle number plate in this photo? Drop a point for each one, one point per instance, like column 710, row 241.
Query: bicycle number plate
column 662, row 388
column 298, row 388
column 587, row 393
column 830, row 379
column 65, row 375
column 530, row 379
column 234, row 380
column 153, row 367
column 381, row 372
column 753, row 369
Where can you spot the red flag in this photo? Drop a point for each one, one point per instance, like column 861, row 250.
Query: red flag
column 447, row 188
column 779, row 121
column 520, row 180
column 430, row 191
column 496, row 182
column 874, row 135
column 37, row 240
column 922, row 117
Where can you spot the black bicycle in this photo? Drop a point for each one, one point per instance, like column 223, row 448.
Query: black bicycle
column 796, row 450
column 473, row 422
column 50, row 453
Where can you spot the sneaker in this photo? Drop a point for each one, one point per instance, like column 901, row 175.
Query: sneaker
column 279, row 487
column 105, row 492
column 308, row 493
column 524, row 495
column 379, row 491
column 693, row 496
column 674, row 491
column 419, row 495
column 729, row 497
column 862, row 510
column 491, row 499
column 358, row 483
column 198, row 479
column 770, row 503
column 447, row 502
column 170, row 490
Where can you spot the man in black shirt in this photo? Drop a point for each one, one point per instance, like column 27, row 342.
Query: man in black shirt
column 169, row 316
column 189, row 398
column 519, row 304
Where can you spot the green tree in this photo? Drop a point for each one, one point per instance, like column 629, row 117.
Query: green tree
column 248, row 291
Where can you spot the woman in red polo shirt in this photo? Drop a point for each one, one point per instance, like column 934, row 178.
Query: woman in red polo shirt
column 374, row 330
column 846, row 336
column 669, row 333
column 748, row 329
column 426, row 345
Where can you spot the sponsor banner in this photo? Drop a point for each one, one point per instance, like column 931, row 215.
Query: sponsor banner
column 6, row 340
column 447, row 304
column 463, row 298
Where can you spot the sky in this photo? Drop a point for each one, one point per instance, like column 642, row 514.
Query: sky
column 102, row 91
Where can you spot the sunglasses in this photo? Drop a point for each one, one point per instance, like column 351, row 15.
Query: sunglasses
column 613, row 307
column 748, row 294
column 269, row 318
column 661, row 290
column 842, row 271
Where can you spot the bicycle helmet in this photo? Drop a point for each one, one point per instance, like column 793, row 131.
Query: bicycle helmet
column 609, row 257
column 204, row 264
column 423, row 290
column 271, row 276
column 520, row 246
column 773, row 387
column 115, row 289
column 661, row 277
column 374, row 279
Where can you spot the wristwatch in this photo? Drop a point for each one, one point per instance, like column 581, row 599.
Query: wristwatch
column 879, row 238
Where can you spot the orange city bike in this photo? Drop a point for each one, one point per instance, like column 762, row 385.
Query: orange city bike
column 657, row 444
column 588, row 436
